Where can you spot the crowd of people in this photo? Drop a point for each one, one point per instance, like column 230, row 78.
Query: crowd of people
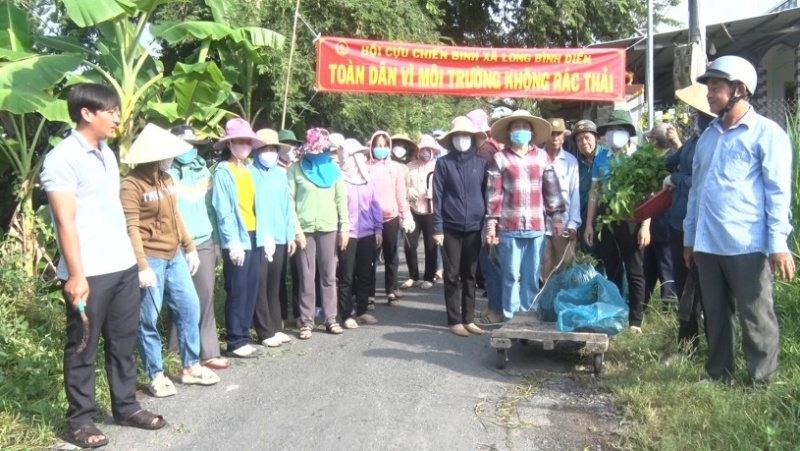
column 305, row 224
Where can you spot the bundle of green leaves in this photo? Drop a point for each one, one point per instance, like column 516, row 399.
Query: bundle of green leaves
column 633, row 179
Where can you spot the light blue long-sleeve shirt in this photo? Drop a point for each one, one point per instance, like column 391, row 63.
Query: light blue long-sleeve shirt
column 278, row 208
column 740, row 198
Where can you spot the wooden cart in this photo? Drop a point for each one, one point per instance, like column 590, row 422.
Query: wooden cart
column 526, row 326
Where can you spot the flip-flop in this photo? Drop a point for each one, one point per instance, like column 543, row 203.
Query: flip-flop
column 215, row 363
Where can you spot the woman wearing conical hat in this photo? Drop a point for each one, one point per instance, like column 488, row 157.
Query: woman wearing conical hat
column 167, row 258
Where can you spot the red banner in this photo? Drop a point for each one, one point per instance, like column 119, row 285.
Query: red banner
column 357, row 65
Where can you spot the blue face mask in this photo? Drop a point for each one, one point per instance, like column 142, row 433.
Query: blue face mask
column 187, row 157
column 380, row 153
column 521, row 137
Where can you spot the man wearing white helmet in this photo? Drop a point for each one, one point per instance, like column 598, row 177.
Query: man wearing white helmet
column 737, row 222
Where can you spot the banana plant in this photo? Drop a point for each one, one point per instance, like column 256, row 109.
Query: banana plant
column 29, row 115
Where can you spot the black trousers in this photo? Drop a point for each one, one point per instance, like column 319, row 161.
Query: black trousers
column 267, row 318
column 460, row 254
column 354, row 275
column 113, row 311
column 289, row 262
column 390, row 260
column 687, row 285
column 622, row 257
column 425, row 227
column 658, row 266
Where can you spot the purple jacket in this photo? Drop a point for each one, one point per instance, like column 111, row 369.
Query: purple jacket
column 366, row 216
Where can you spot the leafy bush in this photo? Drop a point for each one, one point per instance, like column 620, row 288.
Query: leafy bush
column 631, row 182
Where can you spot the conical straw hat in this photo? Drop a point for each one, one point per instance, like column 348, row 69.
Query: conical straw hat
column 155, row 144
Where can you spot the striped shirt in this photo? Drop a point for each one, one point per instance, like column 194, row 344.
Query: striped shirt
column 514, row 190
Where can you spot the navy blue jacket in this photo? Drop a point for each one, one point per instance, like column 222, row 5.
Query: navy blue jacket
column 459, row 192
column 682, row 179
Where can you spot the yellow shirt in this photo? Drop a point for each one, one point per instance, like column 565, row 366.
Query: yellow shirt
column 246, row 193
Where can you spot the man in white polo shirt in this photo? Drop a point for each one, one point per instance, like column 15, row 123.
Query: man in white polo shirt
column 97, row 266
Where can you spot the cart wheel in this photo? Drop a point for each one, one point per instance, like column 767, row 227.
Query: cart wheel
column 502, row 358
column 597, row 363
column 523, row 341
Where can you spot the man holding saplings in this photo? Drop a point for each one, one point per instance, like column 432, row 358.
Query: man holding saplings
column 622, row 244
column 737, row 222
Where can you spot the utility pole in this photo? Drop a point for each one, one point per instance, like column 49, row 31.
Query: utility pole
column 651, row 114
column 289, row 70
column 697, row 27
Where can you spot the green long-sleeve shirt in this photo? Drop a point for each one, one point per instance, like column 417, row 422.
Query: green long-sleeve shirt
column 317, row 209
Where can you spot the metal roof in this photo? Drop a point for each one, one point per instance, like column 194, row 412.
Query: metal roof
column 749, row 38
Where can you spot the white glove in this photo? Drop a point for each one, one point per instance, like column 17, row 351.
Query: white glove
column 147, row 278
column 194, row 261
column 236, row 253
column 409, row 225
column 668, row 183
column 269, row 248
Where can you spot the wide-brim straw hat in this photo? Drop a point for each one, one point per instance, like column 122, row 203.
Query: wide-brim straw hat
column 270, row 138
column 541, row 128
column 403, row 138
column 155, row 144
column 461, row 124
column 238, row 128
column 696, row 96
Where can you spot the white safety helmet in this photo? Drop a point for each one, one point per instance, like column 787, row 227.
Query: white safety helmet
column 732, row 68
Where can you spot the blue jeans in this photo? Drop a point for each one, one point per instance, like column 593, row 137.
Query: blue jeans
column 174, row 280
column 520, row 259
column 492, row 276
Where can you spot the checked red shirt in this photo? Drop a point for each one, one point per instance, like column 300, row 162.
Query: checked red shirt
column 514, row 190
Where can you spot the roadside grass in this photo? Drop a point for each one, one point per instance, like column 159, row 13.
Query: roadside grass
column 666, row 410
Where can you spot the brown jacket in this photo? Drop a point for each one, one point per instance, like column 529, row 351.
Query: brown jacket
column 151, row 210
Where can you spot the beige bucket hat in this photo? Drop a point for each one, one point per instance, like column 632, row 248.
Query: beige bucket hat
column 155, row 144
column 541, row 128
column 461, row 124
column 270, row 138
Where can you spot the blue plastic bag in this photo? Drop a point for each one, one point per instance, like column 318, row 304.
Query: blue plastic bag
column 595, row 306
column 563, row 280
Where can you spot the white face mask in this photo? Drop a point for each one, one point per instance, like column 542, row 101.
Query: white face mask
column 268, row 159
column 164, row 165
column 462, row 143
column 617, row 139
column 241, row 151
column 399, row 151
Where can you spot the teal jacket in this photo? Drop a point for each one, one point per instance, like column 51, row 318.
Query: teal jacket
column 193, row 187
column 229, row 218
column 279, row 209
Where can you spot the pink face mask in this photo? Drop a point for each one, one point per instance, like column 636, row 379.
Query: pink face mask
column 241, row 151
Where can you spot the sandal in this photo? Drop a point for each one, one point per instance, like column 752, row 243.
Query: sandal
column 199, row 376
column 217, row 363
column 80, row 437
column 161, row 387
column 350, row 323
column 144, row 420
column 334, row 329
column 305, row 333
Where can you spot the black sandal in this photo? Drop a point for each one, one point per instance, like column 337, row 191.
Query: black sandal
column 144, row 420
column 80, row 437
